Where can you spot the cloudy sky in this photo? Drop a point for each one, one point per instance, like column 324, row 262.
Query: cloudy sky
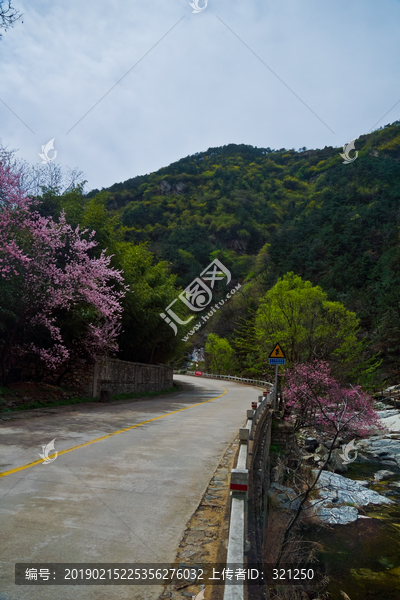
column 128, row 87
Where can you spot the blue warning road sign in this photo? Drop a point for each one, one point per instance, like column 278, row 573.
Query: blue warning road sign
column 276, row 361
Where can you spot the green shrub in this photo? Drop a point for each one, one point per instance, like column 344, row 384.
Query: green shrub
column 275, row 448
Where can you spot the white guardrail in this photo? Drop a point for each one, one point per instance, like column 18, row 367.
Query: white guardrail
column 239, row 487
column 230, row 378
column 240, row 480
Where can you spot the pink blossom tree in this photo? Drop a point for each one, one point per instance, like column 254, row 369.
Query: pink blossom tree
column 315, row 399
column 57, row 300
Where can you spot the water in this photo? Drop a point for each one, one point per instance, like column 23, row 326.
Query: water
column 363, row 558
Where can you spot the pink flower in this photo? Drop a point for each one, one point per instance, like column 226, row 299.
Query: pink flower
column 313, row 398
column 51, row 264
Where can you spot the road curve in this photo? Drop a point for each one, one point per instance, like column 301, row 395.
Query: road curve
column 123, row 498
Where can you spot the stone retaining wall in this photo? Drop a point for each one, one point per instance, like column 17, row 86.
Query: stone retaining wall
column 88, row 379
column 121, row 376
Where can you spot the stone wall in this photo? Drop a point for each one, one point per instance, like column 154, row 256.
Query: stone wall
column 88, row 379
column 80, row 379
column 259, row 482
column 121, row 376
column 283, row 437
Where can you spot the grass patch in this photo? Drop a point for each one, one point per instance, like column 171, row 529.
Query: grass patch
column 6, row 392
column 71, row 401
column 275, row 448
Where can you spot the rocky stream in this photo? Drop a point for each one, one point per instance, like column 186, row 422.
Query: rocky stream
column 362, row 509
column 358, row 533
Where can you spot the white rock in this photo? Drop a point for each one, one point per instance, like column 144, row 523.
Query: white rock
column 383, row 414
column 387, row 448
column 392, row 423
column 335, row 489
column 392, row 387
column 384, row 474
column 338, row 516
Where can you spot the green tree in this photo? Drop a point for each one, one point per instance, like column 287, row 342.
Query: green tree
column 219, row 355
column 308, row 326
column 145, row 337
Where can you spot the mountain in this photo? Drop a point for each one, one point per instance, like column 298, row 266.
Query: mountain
column 265, row 212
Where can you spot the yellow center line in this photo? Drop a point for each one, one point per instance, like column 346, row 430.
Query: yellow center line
column 104, row 437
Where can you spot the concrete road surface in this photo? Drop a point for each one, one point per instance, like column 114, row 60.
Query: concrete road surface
column 123, row 499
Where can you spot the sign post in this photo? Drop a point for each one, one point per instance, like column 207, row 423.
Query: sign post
column 277, row 357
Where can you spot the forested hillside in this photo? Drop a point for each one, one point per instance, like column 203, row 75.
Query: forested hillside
column 335, row 224
column 266, row 212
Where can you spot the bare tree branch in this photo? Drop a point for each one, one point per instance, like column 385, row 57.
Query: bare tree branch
column 8, row 15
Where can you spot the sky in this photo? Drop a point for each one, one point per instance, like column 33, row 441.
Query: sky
column 126, row 88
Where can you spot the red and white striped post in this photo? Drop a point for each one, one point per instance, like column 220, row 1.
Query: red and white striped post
column 239, row 480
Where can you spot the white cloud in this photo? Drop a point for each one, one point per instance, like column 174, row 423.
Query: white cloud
column 200, row 86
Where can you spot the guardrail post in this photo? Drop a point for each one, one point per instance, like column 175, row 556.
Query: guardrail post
column 239, row 480
column 244, row 434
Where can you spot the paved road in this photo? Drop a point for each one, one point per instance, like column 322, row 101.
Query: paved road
column 125, row 498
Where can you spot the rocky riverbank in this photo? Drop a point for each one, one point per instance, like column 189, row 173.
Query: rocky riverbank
column 339, row 498
column 363, row 497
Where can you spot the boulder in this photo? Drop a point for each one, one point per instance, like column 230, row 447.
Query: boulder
column 308, row 459
column 337, row 444
column 384, row 414
column 311, row 444
column 337, row 461
column 347, row 495
column 284, row 497
column 332, row 485
column 338, row 516
column 383, row 474
column 392, row 388
column 321, row 450
column 381, row 447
